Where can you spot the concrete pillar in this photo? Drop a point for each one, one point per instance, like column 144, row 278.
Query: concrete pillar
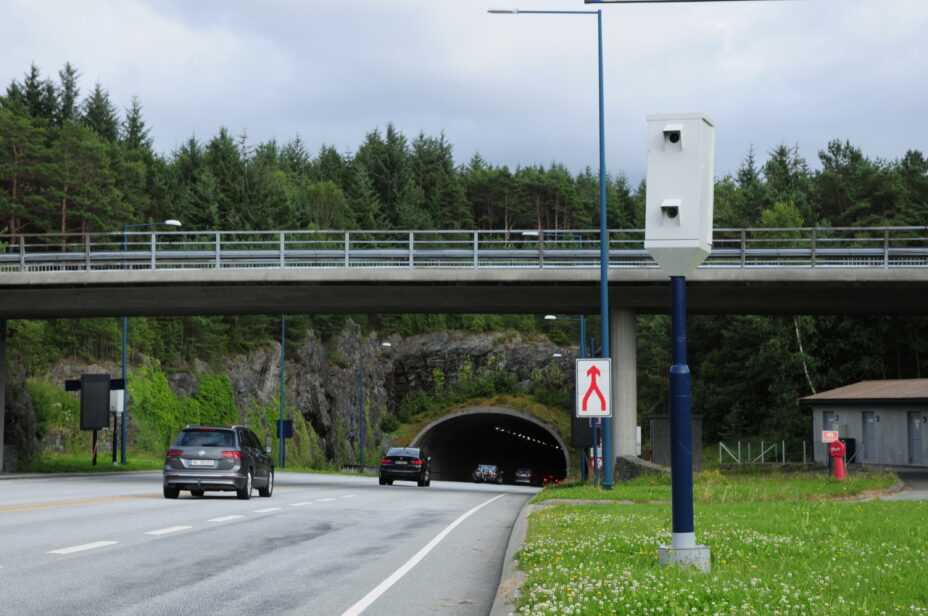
column 3, row 373
column 623, row 332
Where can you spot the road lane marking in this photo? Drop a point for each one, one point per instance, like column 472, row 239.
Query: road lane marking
column 267, row 510
column 326, row 500
column 74, row 502
column 303, row 504
column 86, row 546
column 226, row 518
column 168, row 530
column 348, row 496
column 384, row 586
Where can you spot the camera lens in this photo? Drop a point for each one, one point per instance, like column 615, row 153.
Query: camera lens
column 674, row 137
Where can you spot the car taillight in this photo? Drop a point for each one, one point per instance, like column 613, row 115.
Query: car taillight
column 385, row 460
column 416, row 462
column 237, row 455
column 174, row 453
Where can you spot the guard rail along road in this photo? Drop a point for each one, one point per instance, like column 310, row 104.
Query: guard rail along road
column 839, row 247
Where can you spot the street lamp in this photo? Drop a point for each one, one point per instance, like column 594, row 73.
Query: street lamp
column 124, row 432
column 603, row 228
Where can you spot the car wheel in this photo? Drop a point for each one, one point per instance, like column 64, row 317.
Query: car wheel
column 269, row 489
column 245, row 492
column 197, row 493
column 382, row 481
column 171, row 492
column 424, row 480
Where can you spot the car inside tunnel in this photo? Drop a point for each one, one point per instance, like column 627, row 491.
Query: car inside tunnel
column 460, row 443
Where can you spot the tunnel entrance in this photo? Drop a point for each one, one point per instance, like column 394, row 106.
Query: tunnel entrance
column 491, row 435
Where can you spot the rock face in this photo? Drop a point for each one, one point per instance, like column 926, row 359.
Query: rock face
column 325, row 378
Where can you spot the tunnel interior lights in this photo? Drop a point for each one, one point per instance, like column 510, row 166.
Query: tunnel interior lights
column 526, row 437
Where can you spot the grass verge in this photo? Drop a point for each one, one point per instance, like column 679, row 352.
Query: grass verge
column 800, row 557
column 80, row 463
column 716, row 487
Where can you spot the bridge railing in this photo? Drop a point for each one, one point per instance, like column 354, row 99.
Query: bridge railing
column 846, row 247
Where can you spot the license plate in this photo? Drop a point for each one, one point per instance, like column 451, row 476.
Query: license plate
column 400, row 462
column 202, row 463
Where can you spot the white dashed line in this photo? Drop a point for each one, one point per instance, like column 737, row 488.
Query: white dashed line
column 326, row 500
column 348, row 496
column 226, row 518
column 267, row 510
column 168, row 530
column 86, row 546
column 303, row 504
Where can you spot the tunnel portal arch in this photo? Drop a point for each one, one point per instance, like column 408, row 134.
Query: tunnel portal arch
column 511, row 439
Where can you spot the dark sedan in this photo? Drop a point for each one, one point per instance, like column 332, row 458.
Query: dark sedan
column 406, row 464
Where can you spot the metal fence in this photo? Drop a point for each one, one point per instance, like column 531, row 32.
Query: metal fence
column 844, row 247
column 739, row 453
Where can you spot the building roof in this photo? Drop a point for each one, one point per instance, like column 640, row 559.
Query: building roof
column 889, row 391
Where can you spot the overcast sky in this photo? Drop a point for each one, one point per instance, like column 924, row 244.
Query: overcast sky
column 518, row 89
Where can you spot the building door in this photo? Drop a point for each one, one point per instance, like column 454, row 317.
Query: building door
column 871, row 438
column 916, row 438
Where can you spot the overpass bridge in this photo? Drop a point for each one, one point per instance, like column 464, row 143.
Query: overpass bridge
column 858, row 270
column 881, row 270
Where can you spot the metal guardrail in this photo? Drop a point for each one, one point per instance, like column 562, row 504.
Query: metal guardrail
column 844, row 247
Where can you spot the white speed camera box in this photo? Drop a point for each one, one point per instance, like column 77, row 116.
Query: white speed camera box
column 680, row 191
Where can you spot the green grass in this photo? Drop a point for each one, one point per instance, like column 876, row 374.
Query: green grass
column 789, row 557
column 716, row 487
column 80, row 463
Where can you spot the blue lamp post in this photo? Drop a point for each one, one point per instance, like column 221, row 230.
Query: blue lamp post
column 608, row 474
column 124, row 432
column 581, row 353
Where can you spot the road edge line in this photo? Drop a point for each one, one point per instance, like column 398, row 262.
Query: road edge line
column 511, row 577
column 367, row 600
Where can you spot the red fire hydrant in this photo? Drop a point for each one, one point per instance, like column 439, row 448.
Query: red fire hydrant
column 837, row 451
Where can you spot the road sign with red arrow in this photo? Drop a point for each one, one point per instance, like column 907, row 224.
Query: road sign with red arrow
column 594, row 388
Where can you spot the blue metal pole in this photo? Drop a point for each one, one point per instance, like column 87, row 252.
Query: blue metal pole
column 681, row 425
column 124, row 431
column 363, row 420
column 608, row 461
column 281, row 436
column 581, row 352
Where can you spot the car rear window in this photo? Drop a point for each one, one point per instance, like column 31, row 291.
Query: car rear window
column 409, row 452
column 206, row 438
column 486, row 468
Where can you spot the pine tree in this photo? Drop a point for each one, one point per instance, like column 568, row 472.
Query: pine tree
column 99, row 114
column 363, row 200
column 68, row 94
column 134, row 132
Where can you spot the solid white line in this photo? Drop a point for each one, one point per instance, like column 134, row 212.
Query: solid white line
column 385, row 585
column 86, row 546
column 348, row 496
column 226, row 518
column 326, row 500
column 303, row 504
column 168, row 530
column 267, row 510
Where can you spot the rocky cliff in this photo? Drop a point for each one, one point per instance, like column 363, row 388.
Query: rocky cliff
column 325, row 378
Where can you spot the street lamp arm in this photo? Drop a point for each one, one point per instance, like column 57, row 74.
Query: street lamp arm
column 522, row 12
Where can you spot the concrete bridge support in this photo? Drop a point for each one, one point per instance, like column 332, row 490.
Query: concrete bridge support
column 3, row 373
column 624, row 344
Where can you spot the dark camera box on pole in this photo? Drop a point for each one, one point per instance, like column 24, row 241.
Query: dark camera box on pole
column 95, row 401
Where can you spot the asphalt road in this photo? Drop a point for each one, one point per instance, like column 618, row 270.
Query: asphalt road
column 323, row 544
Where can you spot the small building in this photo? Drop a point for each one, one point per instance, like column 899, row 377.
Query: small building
column 888, row 421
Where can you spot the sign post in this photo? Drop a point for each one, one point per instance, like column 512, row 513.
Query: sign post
column 594, row 388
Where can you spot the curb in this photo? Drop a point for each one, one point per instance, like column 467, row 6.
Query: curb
column 512, row 577
column 15, row 476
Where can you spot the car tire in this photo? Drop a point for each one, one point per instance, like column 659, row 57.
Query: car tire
column 425, row 480
column 268, row 490
column 197, row 493
column 170, row 492
column 382, row 481
column 245, row 492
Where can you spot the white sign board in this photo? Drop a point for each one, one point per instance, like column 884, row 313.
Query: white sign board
column 829, row 436
column 594, row 388
column 117, row 398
